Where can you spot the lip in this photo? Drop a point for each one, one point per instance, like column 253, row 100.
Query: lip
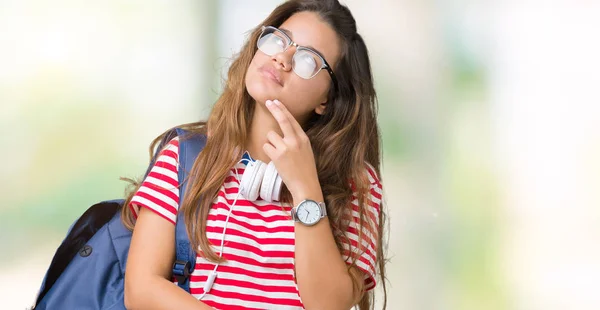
column 271, row 74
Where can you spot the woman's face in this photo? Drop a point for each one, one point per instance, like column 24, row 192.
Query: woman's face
column 272, row 77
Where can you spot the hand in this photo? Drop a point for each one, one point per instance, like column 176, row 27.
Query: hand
column 292, row 154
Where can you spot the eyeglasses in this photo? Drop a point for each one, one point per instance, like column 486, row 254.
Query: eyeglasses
column 306, row 62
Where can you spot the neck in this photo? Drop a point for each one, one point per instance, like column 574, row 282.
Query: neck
column 262, row 122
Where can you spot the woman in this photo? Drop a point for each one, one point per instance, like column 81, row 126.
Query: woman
column 299, row 95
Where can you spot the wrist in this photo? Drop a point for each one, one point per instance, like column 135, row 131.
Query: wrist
column 314, row 193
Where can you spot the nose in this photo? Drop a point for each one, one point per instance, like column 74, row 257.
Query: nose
column 284, row 59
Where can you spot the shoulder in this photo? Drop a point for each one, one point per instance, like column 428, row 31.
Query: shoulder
column 171, row 147
column 372, row 174
column 173, row 143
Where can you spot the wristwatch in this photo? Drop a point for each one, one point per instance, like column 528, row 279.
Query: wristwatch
column 309, row 212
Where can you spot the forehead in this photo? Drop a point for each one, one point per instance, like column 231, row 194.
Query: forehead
column 307, row 29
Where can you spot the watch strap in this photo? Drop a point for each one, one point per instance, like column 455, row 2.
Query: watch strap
column 323, row 209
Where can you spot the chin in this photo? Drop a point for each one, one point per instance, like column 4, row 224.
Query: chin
column 259, row 90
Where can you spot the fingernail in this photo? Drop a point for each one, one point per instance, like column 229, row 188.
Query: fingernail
column 269, row 103
column 277, row 102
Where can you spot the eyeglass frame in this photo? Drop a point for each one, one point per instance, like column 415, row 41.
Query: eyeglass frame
column 325, row 64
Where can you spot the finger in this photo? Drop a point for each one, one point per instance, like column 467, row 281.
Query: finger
column 283, row 121
column 276, row 140
column 270, row 150
column 297, row 128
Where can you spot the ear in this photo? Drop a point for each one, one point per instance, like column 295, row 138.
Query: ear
column 320, row 109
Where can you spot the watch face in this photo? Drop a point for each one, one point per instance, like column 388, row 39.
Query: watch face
column 309, row 212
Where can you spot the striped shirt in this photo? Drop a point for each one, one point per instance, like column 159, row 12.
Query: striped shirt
column 259, row 240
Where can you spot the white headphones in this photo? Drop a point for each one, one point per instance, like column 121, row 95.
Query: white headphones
column 260, row 176
column 257, row 176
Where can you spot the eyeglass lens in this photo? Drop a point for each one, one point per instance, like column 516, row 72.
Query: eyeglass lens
column 305, row 62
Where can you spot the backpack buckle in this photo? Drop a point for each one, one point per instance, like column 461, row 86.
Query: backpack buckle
column 181, row 271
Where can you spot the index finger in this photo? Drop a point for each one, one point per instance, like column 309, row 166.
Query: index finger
column 296, row 126
column 284, row 122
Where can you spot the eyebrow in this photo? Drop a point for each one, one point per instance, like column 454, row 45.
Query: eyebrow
column 289, row 33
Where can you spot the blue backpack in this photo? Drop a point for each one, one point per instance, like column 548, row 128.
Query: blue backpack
column 88, row 268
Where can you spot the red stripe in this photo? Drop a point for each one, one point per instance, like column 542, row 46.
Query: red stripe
column 232, row 179
column 154, row 173
column 218, row 305
column 174, row 142
column 257, row 298
column 168, row 167
column 165, row 165
column 374, row 205
column 252, row 285
column 375, row 193
column 353, row 231
column 257, row 228
column 161, row 189
column 373, row 174
column 135, row 215
column 157, row 202
column 156, row 212
column 365, row 251
column 267, row 219
column 370, row 283
column 372, row 191
column 253, row 215
column 370, row 280
column 370, row 222
column 261, row 241
column 168, row 153
column 361, row 258
column 253, row 262
column 371, row 203
column 239, row 270
column 231, row 190
column 249, row 248
column 240, row 171
column 241, row 202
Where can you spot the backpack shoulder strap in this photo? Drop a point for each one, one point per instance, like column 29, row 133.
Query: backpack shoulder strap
column 189, row 147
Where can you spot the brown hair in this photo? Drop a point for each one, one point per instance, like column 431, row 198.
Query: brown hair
column 343, row 139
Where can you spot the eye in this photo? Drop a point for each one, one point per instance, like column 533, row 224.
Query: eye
column 306, row 63
column 280, row 41
column 308, row 60
column 271, row 44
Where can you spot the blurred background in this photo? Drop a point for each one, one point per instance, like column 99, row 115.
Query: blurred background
column 489, row 110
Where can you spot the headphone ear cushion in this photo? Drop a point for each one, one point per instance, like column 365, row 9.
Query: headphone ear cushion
column 252, row 178
column 277, row 188
column 247, row 178
column 266, row 189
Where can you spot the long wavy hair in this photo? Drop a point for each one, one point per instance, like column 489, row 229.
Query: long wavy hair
column 343, row 139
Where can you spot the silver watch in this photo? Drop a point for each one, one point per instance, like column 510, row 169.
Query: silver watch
column 309, row 212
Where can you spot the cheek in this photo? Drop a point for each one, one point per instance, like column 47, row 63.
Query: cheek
column 303, row 96
column 254, row 83
column 252, row 68
column 313, row 90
